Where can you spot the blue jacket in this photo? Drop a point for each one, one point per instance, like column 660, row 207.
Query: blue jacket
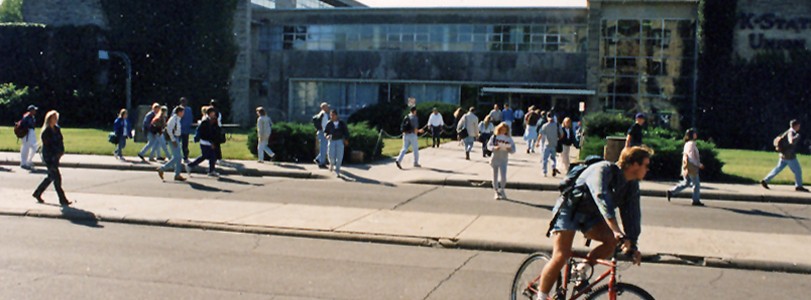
column 186, row 121
column 508, row 115
column 122, row 127
column 29, row 122
column 147, row 125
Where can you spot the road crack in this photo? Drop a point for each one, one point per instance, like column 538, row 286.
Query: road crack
column 414, row 198
column 450, row 276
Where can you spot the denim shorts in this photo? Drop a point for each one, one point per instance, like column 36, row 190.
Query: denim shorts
column 581, row 221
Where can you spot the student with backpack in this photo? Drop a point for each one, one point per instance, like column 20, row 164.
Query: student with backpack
column 691, row 164
column 159, row 129
column 25, row 131
column 786, row 145
column 410, row 127
column 210, row 138
column 146, row 126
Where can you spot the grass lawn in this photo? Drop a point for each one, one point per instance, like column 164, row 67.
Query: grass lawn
column 392, row 147
column 752, row 166
column 94, row 141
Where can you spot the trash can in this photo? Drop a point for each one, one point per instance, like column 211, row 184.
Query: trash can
column 613, row 148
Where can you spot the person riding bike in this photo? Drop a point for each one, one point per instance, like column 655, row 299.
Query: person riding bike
column 590, row 207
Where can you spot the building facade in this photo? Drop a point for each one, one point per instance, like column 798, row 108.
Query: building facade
column 622, row 56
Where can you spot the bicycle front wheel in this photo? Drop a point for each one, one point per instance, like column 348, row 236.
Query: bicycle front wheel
column 624, row 291
column 527, row 279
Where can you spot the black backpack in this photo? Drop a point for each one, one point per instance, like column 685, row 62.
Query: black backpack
column 317, row 121
column 406, row 126
column 568, row 183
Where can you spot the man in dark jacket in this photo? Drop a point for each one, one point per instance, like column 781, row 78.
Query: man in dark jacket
column 210, row 140
column 152, row 138
column 29, row 142
column 788, row 157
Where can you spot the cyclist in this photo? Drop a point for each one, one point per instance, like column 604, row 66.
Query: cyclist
column 590, row 207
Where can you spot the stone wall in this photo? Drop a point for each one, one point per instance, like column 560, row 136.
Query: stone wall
column 64, row 12
column 239, row 87
column 772, row 25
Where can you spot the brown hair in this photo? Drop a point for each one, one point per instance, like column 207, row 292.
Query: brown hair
column 634, row 155
column 502, row 127
column 122, row 112
column 261, row 110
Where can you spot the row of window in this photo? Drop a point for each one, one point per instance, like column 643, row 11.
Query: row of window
column 647, row 66
column 647, row 86
column 647, row 29
column 271, row 4
column 447, row 37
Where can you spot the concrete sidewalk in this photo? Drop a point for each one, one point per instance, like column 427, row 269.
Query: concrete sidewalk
column 441, row 166
column 720, row 248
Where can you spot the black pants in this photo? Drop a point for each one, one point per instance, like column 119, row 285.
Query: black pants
column 436, row 135
column 208, row 153
column 53, row 176
column 184, row 139
column 484, row 138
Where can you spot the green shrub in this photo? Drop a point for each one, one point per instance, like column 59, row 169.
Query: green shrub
column 602, row 125
column 13, row 101
column 295, row 142
column 384, row 116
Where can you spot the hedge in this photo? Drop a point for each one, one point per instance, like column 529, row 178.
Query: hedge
column 295, row 142
column 384, row 116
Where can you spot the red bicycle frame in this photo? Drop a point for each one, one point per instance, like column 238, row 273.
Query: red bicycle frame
column 611, row 273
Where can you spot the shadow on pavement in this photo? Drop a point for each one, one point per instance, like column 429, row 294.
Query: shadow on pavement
column 546, row 207
column 758, row 213
column 346, row 176
column 234, row 181
column 289, row 166
column 81, row 217
column 5, row 170
column 205, row 188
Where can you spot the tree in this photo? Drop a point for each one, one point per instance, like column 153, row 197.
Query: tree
column 11, row 11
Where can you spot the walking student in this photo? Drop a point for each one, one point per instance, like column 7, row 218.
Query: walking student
column 518, row 116
column 501, row 145
column 690, row 166
column 548, row 139
column 468, row 130
column 436, row 123
column 567, row 140
column 495, row 115
column 786, row 144
column 159, row 127
column 508, row 117
column 410, row 129
column 185, row 128
column 485, row 133
column 208, row 133
column 146, row 126
column 264, row 127
column 173, row 129
column 634, row 136
column 531, row 132
column 123, row 131
column 29, row 141
column 53, row 148
column 214, row 104
column 320, row 121
column 338, row 135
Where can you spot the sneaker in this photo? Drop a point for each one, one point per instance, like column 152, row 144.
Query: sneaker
column 179, row 178
column 330, row 168
column 152, row 160
column 398, row 165
column 213, row 174
column 260, row 161
column 315, row 161
column 698, row 204
column 497, row 196
column 503, row 195
column 160, row 174
column 555, row 172
column 417, row 166
column 272, row 155
column 25, row 167
column 39, row 198
column 668, row 194
column 764, row 184
column 188, row 169
column 527, row 151
column 801, row 189
column 141, row 157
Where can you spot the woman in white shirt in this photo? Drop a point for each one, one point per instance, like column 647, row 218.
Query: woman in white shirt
column 691, row 164
column 485, row 132
column 502, row 146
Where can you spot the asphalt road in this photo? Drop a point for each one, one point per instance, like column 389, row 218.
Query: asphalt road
column 723, row 215
column 57, row 259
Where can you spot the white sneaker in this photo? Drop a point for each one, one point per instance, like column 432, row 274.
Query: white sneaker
column 503, row 194
column 330, row 168
column 213, row 174
column 188, row 169
column 497, row 196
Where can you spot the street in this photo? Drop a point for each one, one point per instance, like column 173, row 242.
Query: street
column 56, row 259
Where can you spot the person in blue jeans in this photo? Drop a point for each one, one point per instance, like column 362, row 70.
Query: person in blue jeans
column 123, row 131
column 508, row 117
column 146, row 127
column 548, row 139
column 788, row 157
column 468, row 127
column 185, row 128
column 338, row 135
column 208, row 133
column 691, row 164
column 174, row 132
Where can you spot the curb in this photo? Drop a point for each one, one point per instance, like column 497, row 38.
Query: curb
column 647, row 193
column 151, row 168
column 472, row 244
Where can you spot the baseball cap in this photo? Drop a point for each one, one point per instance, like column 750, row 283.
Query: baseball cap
column 640, row 116
column 33, row 107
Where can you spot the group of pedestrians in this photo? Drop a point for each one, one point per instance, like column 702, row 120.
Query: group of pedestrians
column 332, row 135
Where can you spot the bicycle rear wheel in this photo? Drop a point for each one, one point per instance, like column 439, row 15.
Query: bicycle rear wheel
column 527, row 279
column 624, row 291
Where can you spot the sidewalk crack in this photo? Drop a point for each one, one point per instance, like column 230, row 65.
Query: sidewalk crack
column 398, row 205
column 450, row 275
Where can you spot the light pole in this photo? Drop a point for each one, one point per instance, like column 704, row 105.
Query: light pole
column 105, row 55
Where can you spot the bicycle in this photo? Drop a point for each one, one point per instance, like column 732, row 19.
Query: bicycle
column 578, row 273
